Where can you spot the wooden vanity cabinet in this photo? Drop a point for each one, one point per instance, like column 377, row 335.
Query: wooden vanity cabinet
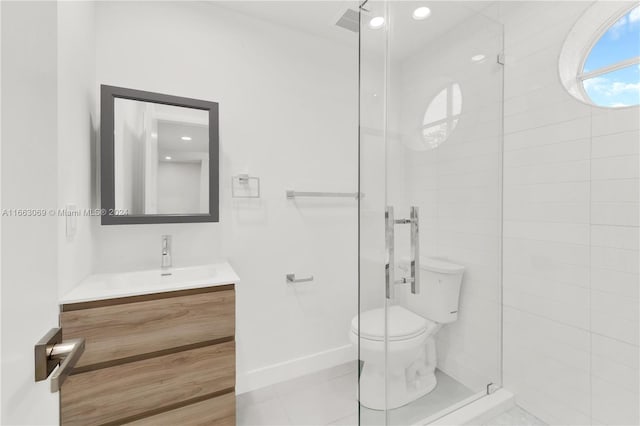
column 158, row 359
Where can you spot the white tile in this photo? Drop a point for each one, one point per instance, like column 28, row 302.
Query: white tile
column 557, row 232
column 615, row 326
column 531, row 266
column 573, row 150
column 534, row 100
column 554, row 133
column 616, row 259
column 268, row 413
column 614, row 405
column 626, row 167
column 549, row 409
column 619, row 374
column 351, row 420
column 558, row 380
column 545, row 212
column 616, row 145
column 515, row 416
column 555, row 340
column 547, row 173
column 550, row 113
column 543, row 254
column 622, row 237
column 615, row 191
column 609, row 121
column 531, row 72
column 622, row 214
column 322, row 403
column 616, row 282
column 567, row 304
column 614, row 304
column 615, row 351
column 255, row 397
column 565, row 193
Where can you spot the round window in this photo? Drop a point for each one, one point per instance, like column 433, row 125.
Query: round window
column 441, row 116
column 606, row 71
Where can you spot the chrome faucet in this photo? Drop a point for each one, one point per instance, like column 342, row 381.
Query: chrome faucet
column 166, row 252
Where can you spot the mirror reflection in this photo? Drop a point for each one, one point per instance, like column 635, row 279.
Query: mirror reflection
column 161, row 158
column 441, row 116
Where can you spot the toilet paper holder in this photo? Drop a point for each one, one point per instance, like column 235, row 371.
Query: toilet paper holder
column 291, row 279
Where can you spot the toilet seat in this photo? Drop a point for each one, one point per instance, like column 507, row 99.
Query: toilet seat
column 402, row 324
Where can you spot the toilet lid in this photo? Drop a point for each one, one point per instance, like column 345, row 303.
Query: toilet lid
column 402, row 324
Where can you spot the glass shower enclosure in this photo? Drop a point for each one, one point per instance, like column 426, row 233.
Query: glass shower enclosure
column 430, row 211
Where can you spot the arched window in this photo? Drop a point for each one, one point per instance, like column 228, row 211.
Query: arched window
column 607, row 69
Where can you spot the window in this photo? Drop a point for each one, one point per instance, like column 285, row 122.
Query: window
column 610, row 74
column 441, row 116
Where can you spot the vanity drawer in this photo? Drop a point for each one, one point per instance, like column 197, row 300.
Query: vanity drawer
column 139, row 389
column 126, row 329
column 219, row 411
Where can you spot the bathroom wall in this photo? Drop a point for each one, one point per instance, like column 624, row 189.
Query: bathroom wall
column 570, row 234
column 77, row 124
column 288, row 114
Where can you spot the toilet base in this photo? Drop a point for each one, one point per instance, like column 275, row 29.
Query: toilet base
column 399, row 392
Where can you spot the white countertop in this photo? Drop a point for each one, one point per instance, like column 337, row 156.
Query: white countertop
column 110, row 286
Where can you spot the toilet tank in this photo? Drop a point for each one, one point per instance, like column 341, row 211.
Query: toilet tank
column 439, row 290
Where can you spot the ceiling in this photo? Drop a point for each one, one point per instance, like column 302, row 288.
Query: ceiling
column 405, row 37
column 170, row 140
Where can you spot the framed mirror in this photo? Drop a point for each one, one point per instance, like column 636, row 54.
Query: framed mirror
column 159, row 158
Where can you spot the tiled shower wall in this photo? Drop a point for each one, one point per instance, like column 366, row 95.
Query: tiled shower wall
column 570, row 234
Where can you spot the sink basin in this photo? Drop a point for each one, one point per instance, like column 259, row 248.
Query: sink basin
column 108, row 286
column 158, row 277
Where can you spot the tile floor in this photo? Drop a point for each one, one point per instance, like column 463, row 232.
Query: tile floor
column 329, row 398
column 322, row 398
column 515, row 417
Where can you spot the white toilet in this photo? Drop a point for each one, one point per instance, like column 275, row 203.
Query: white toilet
column 411, row 347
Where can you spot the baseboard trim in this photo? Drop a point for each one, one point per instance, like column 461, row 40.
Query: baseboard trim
column 290, row 369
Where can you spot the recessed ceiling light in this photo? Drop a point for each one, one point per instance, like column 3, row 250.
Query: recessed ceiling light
column 186, row 138
column 167, row 158
column 154, row 135
column 421, row 13
column 478, row 58
column 376, row 23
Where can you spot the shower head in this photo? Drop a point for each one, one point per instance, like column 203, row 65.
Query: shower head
column 349, row 20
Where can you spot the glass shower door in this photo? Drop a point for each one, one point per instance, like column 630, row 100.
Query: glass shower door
column 431, row 211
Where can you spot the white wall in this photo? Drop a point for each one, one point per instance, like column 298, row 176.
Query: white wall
column 29, row 181
column 77, row 130
column 179, row 187
column 570, row 234
column 288, row 114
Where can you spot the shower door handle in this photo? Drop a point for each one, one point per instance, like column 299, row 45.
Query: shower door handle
column 389, row 267
column 414, row 259
column 415, row 250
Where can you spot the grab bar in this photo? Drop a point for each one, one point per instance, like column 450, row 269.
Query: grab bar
column 293, row 194
column 291, row 278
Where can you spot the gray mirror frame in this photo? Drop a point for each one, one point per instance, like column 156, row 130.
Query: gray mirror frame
column 108, row 94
